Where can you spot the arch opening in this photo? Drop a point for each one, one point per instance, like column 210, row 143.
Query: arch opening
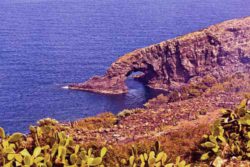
column 144, row 74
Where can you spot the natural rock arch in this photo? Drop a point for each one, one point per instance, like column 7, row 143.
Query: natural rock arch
column 217, row 50
column 147, row 73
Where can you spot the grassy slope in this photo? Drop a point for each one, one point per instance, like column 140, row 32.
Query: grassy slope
column 179, row 125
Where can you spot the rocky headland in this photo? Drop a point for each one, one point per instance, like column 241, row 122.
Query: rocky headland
column 218, row 50
column 206, row 74
column 203, row 72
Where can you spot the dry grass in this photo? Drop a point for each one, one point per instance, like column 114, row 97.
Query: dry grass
column 168, row 123
column 103, row 120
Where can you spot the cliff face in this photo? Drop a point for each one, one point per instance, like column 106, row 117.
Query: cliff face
column 219, row 50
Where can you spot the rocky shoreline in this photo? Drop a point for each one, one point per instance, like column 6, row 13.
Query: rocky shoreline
column 203, row 72
column 177, row 121
column 206, row 74
column 219, row 50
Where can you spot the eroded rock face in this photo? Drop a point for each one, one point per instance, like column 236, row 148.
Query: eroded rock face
column 220, row 50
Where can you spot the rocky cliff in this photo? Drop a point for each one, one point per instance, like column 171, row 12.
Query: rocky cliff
column 220, row 50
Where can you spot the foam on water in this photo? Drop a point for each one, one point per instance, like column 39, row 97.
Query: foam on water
column 65, row 87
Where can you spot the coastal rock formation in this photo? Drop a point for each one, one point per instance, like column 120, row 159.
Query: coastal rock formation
column 220, row 50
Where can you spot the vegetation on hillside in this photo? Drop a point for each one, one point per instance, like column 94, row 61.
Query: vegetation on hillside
column 229, row 137
column 48, row 145
column 45, row 146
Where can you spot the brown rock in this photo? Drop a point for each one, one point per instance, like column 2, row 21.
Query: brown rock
column 219, row 50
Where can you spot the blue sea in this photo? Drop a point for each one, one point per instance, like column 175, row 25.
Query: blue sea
column 47, row 44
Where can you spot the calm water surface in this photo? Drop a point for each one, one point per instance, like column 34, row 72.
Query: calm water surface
column 46, row 44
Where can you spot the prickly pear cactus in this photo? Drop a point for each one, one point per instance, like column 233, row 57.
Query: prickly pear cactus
column 50, row 148
column 230, row 136
column 155, row 158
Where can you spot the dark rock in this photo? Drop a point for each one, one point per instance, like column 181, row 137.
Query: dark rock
column 218, row 50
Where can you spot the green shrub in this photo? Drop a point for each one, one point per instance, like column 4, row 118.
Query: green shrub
column 155, row 158
column 230, row 136
column 48, row 147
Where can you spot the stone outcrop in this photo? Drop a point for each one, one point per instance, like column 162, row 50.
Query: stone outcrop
column 220, row 50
